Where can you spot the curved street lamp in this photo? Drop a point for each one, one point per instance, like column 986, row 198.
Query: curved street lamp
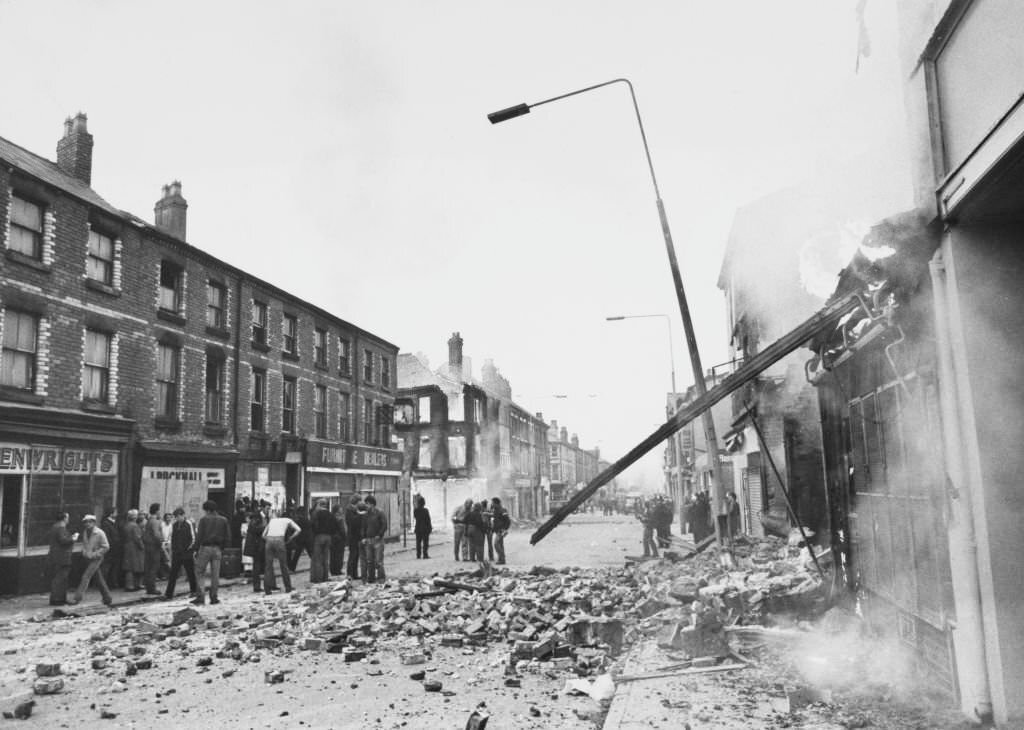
column 684, row 310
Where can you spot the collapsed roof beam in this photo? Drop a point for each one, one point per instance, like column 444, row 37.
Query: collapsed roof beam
column 753, row 367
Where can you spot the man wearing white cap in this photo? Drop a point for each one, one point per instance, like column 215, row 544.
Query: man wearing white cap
column 94, row 547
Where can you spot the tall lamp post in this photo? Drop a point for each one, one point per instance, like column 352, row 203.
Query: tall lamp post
column 671, row 349
column 684, row 310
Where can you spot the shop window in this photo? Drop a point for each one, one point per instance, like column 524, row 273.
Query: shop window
column 214, row 389
column 216, row 303
column 368, row 366
column 168, row 368
column 288, row 405
column 172, row 279
column 424, row 409
column 343, row 416
column 259, row 323
column 258, row 400
column 320, row 348
column 290, row 331
column 10, row 511
column 320, row 411
column 96, row 367
column 18, row 361
column 26, row 228
column 345, row 358
column 99, row 262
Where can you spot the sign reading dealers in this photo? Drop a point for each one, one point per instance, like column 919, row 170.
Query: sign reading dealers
column 22, row 459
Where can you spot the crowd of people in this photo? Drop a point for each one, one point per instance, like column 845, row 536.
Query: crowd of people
column 477, row 524
column 134, row 550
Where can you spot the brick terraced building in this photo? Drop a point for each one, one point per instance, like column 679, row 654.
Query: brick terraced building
column 136, row 368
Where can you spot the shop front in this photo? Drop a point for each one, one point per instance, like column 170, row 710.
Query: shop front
column 336, row 471
column 172, row 477
column 41, row 474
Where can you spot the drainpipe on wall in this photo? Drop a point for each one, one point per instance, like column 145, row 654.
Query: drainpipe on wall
column 968, row 631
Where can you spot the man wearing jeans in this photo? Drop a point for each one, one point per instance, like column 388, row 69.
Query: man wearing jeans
column 324, row 527
column 213, row 534
column 276, row 537
column 94, row 547
column 375, row 526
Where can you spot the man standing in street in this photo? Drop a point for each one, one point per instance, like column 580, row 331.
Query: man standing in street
column 459, row 522
column 500, row 522
column 354, row 527
column 183, row 542
column 324, row 528
column 153, row 544
column 59, row 557
column 213, row 534
column 375, row 526
column 276, row 538
column 112, row 560
column 94, row 547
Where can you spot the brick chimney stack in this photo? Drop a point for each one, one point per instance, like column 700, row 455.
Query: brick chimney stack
column 563, row 434
column 169, row 212
column 455, row 353
column 74, row 149
column 575, row 441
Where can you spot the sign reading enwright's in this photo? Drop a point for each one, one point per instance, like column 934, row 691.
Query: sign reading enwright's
column 25, row 459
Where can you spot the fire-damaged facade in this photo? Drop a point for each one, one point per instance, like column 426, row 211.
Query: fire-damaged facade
column 920, row 388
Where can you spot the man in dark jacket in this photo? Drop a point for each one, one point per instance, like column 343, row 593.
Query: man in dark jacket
column 302, row 541
column 153, row 542
column 500, row 522
column 59, row 557
column 338, row 540
column 213, row 534
column 111, row 566
column 183, row 542
column 354, row 527
column 375, row 526
column 324, row 528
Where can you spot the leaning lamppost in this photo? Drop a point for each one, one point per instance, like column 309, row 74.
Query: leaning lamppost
column 684, row 310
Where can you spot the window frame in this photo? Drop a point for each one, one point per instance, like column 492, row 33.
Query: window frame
column 218, row 310
column 103, row 369
column 31, row 356
column 320, row 411
column 178, row 271
column 290, row 335
column 320, row 347
column 93, row 259
column 167, row 401
column 368, row 430
column 345, row 357
column 367, row 366
column 344, row 417
column 385, row 372
column 258, row 399
column 37, row 236
column 259, row 323
column 214, row 418
column 288, row 410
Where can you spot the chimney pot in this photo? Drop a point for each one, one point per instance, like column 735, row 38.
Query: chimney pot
column 455, row 352
column 74, row 149
column 170, row 211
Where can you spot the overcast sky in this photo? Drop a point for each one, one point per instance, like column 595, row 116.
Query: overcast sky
column 341, row 151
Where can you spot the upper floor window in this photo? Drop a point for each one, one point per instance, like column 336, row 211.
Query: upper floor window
column 290, row 330
column 168, row 367
column 320, row 411
column 99, row 263
column 478, row 410
column 320, row 347
column 288, row 405
column 259, row 322
column 258, row 400
column 368, row 431
column 96, row 366
column 345, row 358
column 26, row 228
column 424, row 409
column 343, row 416
column 171, row 280
column 368, row 366
column 216, row 303
column 214, row 389
column 385, row 372
column 18, row 365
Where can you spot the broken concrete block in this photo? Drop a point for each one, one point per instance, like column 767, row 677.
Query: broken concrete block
column 48, row 685
column 412, row 657
column 312, row 644
column 353, row 655
column 48, row 669
column 432, row 685
column 274, row 677
column 451, row 640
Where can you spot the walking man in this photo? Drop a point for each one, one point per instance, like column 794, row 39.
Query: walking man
column 183, row 546
column 500, row 522
column 94, row 547
column 354, row 527
column 153, row 546
column 213, row 534
column 134, row 561
column 375, row 526
column 111, row 566
column 59, row 557
column 324, row 528
column 276, row 537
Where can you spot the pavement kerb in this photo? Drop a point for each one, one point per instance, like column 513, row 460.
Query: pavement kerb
column 91, row 604
column 625, row 712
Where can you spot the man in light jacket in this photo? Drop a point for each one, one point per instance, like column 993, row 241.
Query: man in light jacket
column 94, row 547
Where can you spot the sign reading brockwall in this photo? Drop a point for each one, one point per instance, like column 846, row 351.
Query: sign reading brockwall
column 25, row 459
column 351, row 456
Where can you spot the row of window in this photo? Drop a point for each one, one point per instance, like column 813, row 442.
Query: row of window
column 321, row 338
column 374, row 422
